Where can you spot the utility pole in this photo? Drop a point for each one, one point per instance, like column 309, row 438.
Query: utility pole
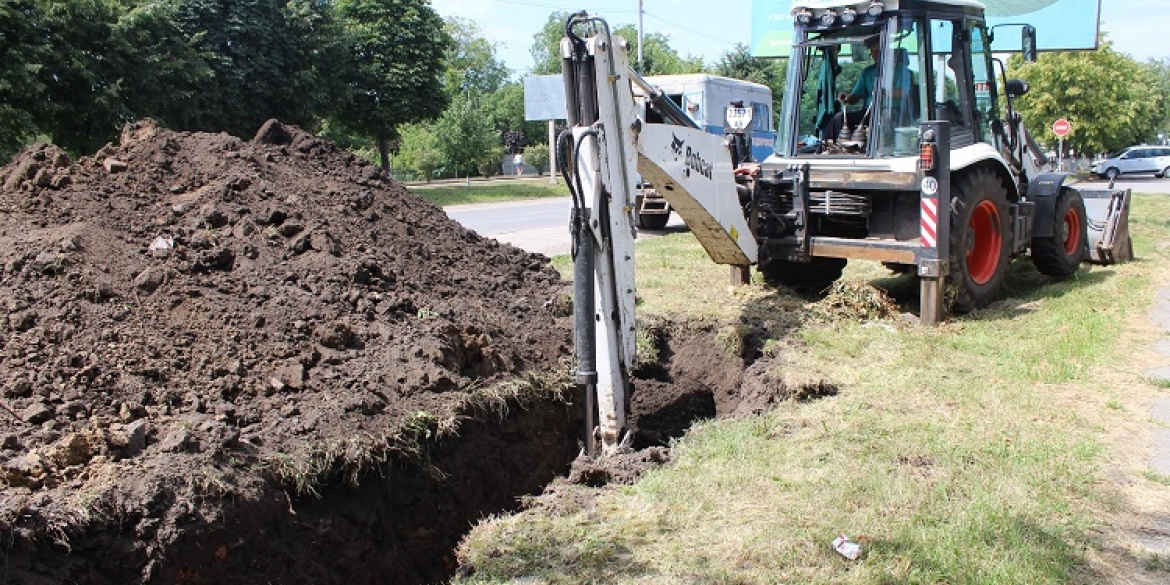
column 640, row 69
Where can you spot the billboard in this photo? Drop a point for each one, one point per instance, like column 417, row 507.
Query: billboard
column 1061, row 25
column 544, row 98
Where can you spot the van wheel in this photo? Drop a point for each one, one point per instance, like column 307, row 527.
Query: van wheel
column 1111, row 173
column 1165, row 173
column 980, row 239
column 807, row 278
column 1060, row 254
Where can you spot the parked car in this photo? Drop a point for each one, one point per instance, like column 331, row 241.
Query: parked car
column 1142, row 159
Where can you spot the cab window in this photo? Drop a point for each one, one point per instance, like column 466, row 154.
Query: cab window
column 951, row 72
column 984, row 82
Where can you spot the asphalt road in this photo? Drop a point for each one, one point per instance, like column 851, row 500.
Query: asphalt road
column 1139, row 184
column 540, row 225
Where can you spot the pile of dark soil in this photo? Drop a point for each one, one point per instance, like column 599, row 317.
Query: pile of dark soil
column 202, row 335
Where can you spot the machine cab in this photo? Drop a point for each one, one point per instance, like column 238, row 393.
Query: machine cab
column 862, row 76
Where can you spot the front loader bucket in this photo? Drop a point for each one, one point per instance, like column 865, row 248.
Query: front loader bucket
column 1108, row 223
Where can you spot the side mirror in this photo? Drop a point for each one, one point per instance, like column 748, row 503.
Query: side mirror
column 1017, row 87
column 1028, row 42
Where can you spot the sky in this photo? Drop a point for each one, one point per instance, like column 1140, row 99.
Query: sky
column 708, row 28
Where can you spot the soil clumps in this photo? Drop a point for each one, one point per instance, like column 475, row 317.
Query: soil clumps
column 202, row 334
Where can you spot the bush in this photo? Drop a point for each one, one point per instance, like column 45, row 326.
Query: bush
column 537, row 156
column 489, row 164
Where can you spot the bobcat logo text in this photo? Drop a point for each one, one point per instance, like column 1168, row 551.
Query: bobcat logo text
column 694, row 160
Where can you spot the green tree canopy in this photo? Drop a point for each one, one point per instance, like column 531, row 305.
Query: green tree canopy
column 163, row 70
column 22, row 53
column 394, row 71
column 470, row 60
column 739, row 63
column 466, row 137
column 260, row 59
column 61, row 50
column 1160, row 70
column 658, row 57
column 546, row 44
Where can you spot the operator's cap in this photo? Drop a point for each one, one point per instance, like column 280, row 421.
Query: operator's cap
column 872, row 42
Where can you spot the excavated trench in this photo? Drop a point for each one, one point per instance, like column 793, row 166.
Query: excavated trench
column 400, row 526
column 403, row 526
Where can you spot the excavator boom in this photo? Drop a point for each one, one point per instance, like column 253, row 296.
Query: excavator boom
column 605, row 145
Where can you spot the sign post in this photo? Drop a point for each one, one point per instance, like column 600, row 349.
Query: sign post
column 1061, row 129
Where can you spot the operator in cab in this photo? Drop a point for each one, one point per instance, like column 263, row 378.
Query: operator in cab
column 863, row 90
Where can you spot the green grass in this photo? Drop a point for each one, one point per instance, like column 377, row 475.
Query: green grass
column 445, row 195
column 976, row 452
column 1156, row 477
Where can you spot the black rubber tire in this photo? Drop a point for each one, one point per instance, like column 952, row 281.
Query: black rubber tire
column 807, row 278
column 1165, row 173
column 1112, row 173
column 653, row 221
column 1060, row 254
column 980, row 239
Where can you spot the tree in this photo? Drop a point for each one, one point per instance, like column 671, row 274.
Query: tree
column 658, row 57
column 162, row 70
column 472, row 66
column 420, row 155
column 1160, row 71
column 471, row 63
column 546, row 44
column 466, row 137
column 505, row 107
column 60, row 50
column 393, row 76
column 1110, row 100
column 260, row 57
column 22, row 51
column 739, row 63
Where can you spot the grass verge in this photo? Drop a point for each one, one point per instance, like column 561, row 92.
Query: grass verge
column 446, row 195
column 1001, row 447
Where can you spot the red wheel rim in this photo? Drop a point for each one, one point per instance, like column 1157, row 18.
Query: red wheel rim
column 983, row 251
column 1072, row 231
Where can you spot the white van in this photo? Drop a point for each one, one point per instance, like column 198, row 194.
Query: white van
column 1142, row 159
column 704, row 98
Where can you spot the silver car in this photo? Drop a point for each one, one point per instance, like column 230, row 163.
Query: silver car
column 1135, row 160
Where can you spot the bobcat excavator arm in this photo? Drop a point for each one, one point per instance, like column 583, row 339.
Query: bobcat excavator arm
column 603, row 152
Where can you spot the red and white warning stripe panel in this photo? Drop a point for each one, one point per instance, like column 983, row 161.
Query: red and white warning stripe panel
column 929, row 222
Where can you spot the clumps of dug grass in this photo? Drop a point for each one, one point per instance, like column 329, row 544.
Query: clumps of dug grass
column 855, row 301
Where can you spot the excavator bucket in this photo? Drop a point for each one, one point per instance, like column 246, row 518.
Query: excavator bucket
column 1108, row 225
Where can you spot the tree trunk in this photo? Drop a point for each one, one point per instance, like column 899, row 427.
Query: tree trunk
column 384, row 152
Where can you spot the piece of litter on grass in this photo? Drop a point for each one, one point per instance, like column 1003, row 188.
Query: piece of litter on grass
column 848, row 549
